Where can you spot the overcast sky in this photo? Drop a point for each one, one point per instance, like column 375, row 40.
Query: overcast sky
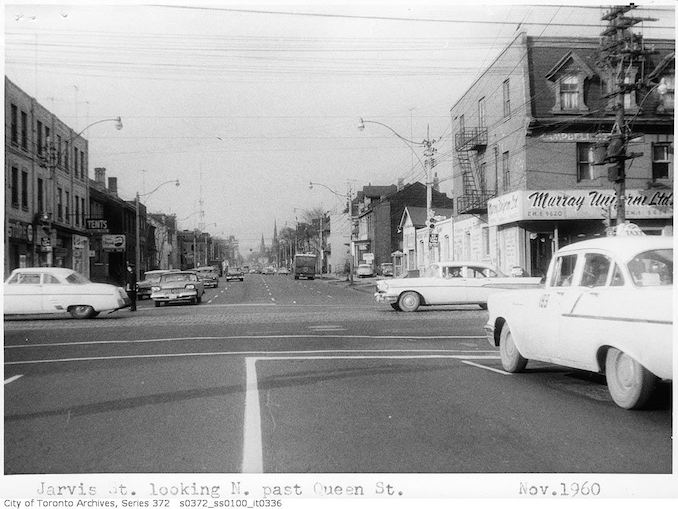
column 245, row 103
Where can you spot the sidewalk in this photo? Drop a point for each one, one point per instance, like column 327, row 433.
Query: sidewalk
column 366, row 285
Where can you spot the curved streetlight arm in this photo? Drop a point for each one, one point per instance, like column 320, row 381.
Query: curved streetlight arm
column 407, row 142
column 362, row 123
column 311, row 184
column 117, row 120
column 175, row 182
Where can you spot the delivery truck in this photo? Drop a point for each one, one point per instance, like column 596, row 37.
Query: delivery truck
column 304, row 265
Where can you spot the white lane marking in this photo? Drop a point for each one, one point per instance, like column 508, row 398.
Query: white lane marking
column 501, row 372
column 276, row 336
column 252, row 454
column 233, row 354
column 12, row 379
column 326, row 327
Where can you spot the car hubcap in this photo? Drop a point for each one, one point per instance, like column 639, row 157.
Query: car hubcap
column 625, row 372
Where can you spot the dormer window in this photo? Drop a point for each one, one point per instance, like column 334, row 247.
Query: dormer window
column 568, row 77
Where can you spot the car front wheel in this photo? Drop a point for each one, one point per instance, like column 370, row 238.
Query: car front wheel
column 81, row 311
column 409, row 301
column 511, row 359
column 629, row 383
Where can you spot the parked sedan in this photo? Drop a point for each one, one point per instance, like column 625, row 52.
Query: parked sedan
column 449, row 283
column 235, row 273
column 283, row 271
column 178, row 287
column 39, row 290
column 365, row 270
column 606, row 307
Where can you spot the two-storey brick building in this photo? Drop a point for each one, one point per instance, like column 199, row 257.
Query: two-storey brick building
column 523, row 177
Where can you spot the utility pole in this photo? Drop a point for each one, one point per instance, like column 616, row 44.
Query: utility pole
column 622, row 55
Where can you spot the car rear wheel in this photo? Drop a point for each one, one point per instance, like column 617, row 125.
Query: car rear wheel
column 81, row 311
column 511, row 359
column 629, row 383
column 409, row 301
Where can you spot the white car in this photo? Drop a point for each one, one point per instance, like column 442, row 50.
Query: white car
column 48, row 290
column 606, row 307
column 365, row 270
column 443, row 283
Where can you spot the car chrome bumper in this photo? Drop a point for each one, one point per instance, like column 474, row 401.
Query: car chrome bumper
column 171, row 297
column 382, row 297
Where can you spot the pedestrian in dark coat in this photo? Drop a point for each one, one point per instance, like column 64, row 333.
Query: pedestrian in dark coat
column 131, row 286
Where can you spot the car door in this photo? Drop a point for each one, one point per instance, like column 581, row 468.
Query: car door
column 449, row 285
column 56, row 295
column 479, row 283
column 23, row 294
column 543, row 322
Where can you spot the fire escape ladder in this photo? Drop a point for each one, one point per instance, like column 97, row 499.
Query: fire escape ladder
column 474, row 197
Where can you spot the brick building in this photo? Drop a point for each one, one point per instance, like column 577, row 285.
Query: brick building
column 379, row 218
column 46, row 187
column 523, row 178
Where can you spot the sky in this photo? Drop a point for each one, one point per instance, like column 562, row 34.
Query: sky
column 245, row 103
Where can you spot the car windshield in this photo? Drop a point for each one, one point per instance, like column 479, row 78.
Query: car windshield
column 153, row 278
column 652, row 268
column 77, row 279
column 171, row 278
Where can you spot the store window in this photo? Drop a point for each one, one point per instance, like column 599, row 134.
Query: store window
column 584, row 161
column 661, row 161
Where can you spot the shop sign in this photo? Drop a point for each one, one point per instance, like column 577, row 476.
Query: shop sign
column 20, row 231
column 545, row 205
column 581, row 138
column 433, row 239
column 79, row 242
column 97, row 225
column 113, row 243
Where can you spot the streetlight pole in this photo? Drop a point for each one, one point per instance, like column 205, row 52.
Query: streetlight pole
column 137, row 246
column 429, row 152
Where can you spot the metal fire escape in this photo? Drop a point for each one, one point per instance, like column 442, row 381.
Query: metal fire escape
column 475, row 195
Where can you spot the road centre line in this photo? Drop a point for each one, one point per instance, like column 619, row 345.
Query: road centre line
column 486, row 367
column 12, row 379
column 276, row 336
column 233, row 354
column 253, row 461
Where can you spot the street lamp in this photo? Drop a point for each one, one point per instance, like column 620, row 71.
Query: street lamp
column 137, row 248
column 429, row 151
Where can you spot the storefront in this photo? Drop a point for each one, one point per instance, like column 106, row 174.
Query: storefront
column 530, row 225
column 20, row 238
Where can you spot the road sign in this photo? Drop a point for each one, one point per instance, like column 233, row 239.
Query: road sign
column 433, row 239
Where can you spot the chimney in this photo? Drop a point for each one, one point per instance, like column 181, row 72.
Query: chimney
column 113, row 185
column 100, row 177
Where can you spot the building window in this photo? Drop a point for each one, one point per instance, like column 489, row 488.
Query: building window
column 506, row 170
column 496, row 169
column 60, row 204
column 462, row 124
column 15, row 187
column 77, row 211
column 661, row 161
column 82, row 210
column 66, row 152
column 24, row 190
column 15, row 125
column 482, row 177
column 24, row 130
column 569, row 92
column 67, row 211
column 39, row 147
column 41, row 196
column 83, row 168
column 58, row 150
column 584, row 161
column 507, row 99
column 481, row 112
column 486, row 241
column 75, row 162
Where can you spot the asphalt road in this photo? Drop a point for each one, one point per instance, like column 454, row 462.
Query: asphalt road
column 277, row 375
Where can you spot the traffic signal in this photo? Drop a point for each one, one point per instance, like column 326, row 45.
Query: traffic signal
column 431, row 223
